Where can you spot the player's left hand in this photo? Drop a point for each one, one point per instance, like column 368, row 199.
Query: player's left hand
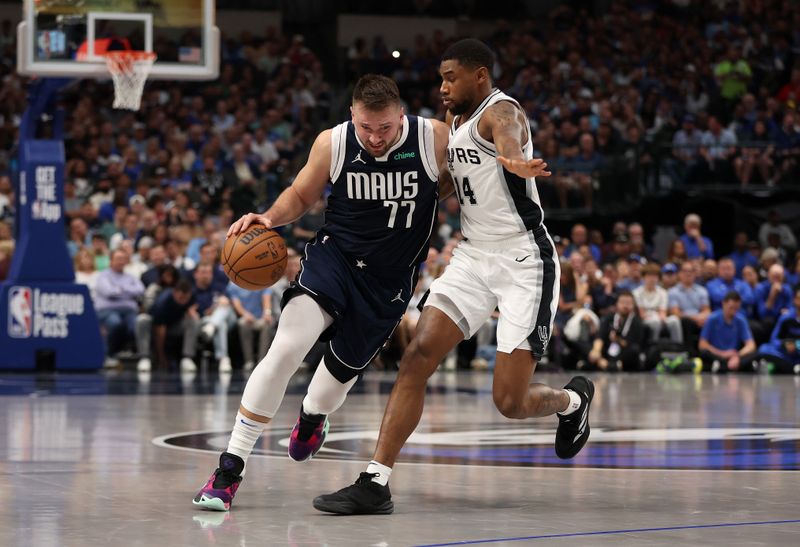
column 535, row 167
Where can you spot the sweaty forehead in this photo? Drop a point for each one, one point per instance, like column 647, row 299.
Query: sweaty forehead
column 451, row 66
column 372, row 118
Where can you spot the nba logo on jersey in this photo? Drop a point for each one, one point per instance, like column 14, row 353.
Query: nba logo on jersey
column 20, row 312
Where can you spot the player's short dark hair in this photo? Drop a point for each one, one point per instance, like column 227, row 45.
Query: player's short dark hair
column 376, row 92
column 471, row 53
column 732, row 295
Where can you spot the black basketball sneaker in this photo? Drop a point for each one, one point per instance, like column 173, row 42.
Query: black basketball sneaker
column 365, row 497
column 573, row 430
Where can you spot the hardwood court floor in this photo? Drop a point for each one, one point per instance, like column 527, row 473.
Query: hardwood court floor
column 113, row 459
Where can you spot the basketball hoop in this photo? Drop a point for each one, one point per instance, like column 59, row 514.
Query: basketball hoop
column 129, row 69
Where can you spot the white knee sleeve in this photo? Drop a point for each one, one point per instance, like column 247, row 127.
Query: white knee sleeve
column 301, row 324
column 325, row 393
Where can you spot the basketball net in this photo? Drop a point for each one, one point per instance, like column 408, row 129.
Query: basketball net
column 129, row 69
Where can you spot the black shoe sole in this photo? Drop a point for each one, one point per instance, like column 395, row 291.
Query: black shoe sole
column 578, row 445
column 349, row 508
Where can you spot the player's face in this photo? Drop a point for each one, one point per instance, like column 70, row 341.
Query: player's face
column 460, row 86
column 378, row 130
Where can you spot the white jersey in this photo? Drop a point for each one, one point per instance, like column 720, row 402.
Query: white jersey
column 495, row 204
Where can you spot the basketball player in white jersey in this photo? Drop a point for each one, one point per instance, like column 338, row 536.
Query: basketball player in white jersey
column 507, row 261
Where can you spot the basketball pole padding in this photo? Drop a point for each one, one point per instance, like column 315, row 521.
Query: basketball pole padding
column 44, row 314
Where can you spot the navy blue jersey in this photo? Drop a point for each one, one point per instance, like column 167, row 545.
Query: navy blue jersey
column 381, row 210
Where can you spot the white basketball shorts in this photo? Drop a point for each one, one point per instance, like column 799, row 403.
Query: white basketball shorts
column 519, row 276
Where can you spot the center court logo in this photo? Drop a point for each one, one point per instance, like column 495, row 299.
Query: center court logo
column 728, row 448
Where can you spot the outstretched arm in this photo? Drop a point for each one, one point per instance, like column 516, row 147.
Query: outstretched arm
column 507, row 126
column 306, row 188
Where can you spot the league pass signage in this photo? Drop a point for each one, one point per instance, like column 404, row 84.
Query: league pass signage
column 724, row 448
column 39, row 314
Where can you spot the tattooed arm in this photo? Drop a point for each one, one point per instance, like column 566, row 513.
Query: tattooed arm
column 506, row 126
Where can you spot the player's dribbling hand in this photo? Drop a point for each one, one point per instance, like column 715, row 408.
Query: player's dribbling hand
column 243, row 223
column 535, row 167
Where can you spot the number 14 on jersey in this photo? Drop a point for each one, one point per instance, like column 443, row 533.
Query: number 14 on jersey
column 464, row 191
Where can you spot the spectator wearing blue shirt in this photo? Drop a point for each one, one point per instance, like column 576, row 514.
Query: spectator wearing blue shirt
column 773, row 296
column 669, row 275
column 579, row 237
column 174, row 312
column 209, row 254
column 254, row 315
column 116, row 298
column 726, row 338
column 726, row 282
column 634, row 279
column 782, row 354
column 210, row 227
column 793, row 272
column 708, row 271
column 581, row 169
column 214, row 310
column 741, row 254
column 638, row 244
column 689, row 302
column 696, row 244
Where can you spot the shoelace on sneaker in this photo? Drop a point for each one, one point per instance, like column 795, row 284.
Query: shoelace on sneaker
column 224, row 478
column 365, row 478
column 307, row 428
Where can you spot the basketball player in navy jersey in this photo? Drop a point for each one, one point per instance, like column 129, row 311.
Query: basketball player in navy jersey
column 507, row 261
column 357, row 274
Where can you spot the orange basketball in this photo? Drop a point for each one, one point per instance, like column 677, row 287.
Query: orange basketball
column 254, row 259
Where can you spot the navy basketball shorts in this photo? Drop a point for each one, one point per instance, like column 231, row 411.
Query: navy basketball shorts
column 366, row 305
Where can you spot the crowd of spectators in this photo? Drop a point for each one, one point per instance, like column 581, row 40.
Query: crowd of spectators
column 624, row 304
column 618, row 304
column 149, row 195
column 673, row 93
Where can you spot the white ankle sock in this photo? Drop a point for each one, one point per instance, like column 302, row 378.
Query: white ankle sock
column 244, row 436
column 383, row 472
column 574, row 403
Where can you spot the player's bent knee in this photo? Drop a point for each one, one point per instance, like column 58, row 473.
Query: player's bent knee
column 510, row 407
column 417, row 363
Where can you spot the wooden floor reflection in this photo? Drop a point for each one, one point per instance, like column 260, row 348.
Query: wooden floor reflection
column 115, row 458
